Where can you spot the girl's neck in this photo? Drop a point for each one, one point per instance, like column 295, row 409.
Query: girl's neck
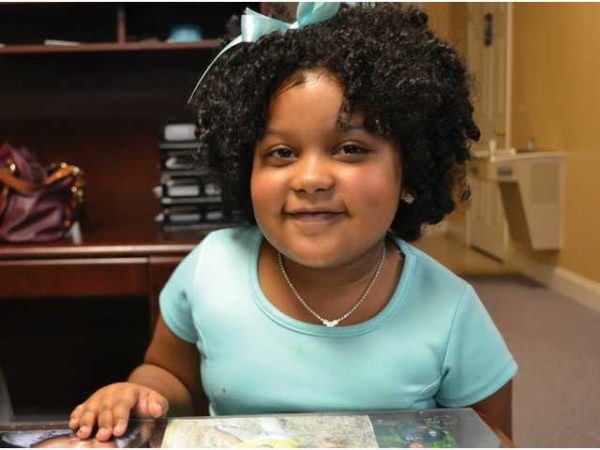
column 327, row 283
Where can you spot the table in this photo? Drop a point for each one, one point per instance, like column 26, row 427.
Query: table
column 447, row 427
column 75, row 297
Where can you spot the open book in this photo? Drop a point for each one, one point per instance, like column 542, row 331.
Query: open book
column 429, row 428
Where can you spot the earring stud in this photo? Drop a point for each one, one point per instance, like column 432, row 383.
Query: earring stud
column 407, row 198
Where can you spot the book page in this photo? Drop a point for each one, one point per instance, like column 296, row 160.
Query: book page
column 284, row 431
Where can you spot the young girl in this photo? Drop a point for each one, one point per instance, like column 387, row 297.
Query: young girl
column 340, row 140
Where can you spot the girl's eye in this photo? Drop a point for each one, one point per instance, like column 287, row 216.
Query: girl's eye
column 351, row 150
column 281, row 153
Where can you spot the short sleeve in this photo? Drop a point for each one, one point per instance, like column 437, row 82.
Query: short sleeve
column 477, row 361
column 174, row 299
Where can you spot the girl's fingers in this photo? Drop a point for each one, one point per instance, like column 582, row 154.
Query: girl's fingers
column 141, row 406
column 111, row 407
column 157, row 405
column 105, row 424
column 86, row 423
column 74, row 417
column 151, row 404
column 114, row 414
column 121, row 413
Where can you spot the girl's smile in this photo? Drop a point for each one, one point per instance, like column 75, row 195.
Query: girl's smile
column 311, row 217
column 315, row 223
column 322, row 195
column 315, row 216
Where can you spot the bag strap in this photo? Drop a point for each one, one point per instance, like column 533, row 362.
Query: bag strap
column 21, row 186
column 3, row 199
column 25, row 187
column 63, row 171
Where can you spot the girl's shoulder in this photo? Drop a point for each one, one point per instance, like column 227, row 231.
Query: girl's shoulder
column 218, row 254
column 429, row 278
column 232, row 242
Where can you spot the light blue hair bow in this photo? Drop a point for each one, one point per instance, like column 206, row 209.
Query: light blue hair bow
column 255, row 25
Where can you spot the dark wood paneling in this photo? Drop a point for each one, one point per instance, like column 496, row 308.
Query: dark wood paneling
column 56, row 352
column 73, row 278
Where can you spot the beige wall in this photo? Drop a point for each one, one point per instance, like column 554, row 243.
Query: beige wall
column 449, row 21
column 556, row 101
column 439, row 17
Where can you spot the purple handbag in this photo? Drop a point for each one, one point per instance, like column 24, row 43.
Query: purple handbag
column 37, row 204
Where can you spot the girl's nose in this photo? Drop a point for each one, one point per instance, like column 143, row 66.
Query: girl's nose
column 312, row 173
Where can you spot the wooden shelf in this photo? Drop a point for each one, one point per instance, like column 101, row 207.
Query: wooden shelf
column 99, row 246
column 207, row 44
column 127, row 231
column 100, row 105
column 120, row 206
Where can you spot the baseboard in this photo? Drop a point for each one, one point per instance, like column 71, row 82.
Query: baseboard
column 568, row 283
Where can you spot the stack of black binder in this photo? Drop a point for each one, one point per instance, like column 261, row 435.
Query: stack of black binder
column 189, row 199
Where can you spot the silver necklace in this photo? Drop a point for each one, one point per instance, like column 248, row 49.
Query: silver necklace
column 331, row 323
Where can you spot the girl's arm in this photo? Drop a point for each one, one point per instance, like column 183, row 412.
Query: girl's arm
column 172, row 367
column 497, row 408
column 168, row 380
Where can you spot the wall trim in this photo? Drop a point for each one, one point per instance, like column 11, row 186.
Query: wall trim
column 568, row 283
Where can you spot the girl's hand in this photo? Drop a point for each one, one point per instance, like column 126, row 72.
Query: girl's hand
column 110, row 407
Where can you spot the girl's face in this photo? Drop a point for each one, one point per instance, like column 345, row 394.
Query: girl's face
column 322, row 196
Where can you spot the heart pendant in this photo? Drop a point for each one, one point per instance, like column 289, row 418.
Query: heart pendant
column 331, row 323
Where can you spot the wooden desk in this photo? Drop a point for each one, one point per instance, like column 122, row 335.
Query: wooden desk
column 56, row 299
column 124, row 261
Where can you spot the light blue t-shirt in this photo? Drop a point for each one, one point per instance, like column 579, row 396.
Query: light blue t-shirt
column 433, row 344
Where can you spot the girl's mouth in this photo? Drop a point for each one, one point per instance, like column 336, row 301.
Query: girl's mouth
column 317, row 216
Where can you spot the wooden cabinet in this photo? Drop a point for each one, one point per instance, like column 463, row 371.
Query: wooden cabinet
column 96, row 99
column 35, row 278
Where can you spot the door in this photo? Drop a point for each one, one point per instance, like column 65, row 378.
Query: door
column 487, row 58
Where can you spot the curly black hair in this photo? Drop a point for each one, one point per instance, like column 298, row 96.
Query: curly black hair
column 412, row 86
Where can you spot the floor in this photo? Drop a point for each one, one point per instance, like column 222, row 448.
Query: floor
column 555, row 342
column 459, row 258
column 553, row 339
